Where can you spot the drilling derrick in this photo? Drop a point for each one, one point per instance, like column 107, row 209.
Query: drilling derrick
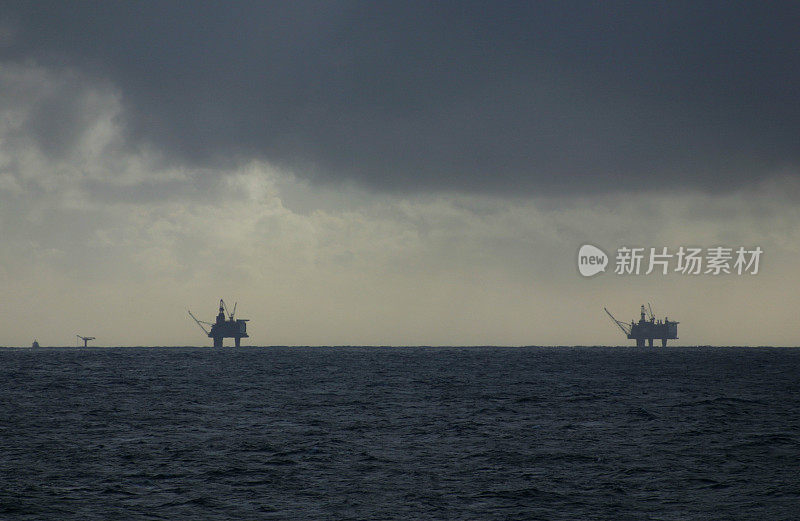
column 224, row 327
column 648, row 328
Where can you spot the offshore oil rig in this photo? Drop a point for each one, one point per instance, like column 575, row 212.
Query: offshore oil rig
column 84, row 338
column 224, row 327
column 648, row 329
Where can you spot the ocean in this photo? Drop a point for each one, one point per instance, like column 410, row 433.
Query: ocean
column 377, row 433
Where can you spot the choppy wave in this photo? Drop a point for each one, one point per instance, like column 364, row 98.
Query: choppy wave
column 399, row 433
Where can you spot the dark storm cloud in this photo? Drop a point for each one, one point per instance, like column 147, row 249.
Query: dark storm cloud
column 494, row 97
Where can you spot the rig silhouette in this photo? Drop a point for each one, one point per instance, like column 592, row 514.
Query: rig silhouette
column 648, row 329
column 224, row 328
column 84, row 338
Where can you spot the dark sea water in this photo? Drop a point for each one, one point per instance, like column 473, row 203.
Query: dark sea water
column 400, row 433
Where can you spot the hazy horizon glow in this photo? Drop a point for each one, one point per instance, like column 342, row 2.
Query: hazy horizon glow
column 371, row 195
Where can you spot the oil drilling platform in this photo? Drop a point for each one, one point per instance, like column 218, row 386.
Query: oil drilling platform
column 230, row 327
column 648, row 328
column 84, row 338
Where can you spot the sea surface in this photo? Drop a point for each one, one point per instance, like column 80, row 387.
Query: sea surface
column 370, row 433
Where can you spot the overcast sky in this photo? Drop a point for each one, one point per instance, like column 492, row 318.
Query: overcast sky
column 394, row 173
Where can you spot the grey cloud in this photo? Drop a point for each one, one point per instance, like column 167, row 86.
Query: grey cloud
column 478, row 97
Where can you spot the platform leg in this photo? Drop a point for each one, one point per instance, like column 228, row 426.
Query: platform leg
column 650, row 342
column 217, row 341
column 238, row 341
column 663, row 342
column 640, row 342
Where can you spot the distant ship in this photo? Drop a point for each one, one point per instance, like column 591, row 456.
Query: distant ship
column 650, row 329
column 35, row 343
column 224, row 328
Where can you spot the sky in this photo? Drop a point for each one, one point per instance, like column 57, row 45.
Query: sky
column 395, row 173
